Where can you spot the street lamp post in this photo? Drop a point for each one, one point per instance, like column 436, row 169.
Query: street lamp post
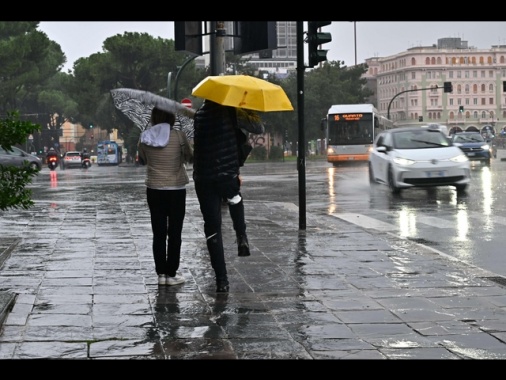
column 355, row 38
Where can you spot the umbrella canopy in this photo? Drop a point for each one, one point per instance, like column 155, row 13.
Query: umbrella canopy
column 137, row 106
column 243, row 91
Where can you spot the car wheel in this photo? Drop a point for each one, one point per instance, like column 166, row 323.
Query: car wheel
column 461, row 188
column 371, row 174
column 391, row 182
column 34, row 166
column 487, row 162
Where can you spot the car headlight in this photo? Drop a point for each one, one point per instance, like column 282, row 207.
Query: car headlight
column 459, row 158
column 403, row 161
column 485, row 147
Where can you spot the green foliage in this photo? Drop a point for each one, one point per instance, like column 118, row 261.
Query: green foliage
column 13, row 181
column 258, row 153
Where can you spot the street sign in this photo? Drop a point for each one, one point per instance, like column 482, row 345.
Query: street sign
column 186, row 102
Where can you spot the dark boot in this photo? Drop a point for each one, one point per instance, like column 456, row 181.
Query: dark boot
column 243, row 245
column 222, row 287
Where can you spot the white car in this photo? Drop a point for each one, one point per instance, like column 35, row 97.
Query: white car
column 417, row 157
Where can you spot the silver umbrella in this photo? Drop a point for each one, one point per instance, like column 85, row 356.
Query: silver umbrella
column 137, row 106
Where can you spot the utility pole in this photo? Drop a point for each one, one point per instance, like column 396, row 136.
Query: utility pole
column 217, row 48
column 301, row 156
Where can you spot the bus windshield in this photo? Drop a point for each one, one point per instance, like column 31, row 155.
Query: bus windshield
column 345, row 129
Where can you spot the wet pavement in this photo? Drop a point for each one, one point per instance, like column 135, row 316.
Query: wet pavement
column 81, row 273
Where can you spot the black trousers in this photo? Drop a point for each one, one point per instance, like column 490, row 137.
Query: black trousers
column 167, row 209
column 210, row 195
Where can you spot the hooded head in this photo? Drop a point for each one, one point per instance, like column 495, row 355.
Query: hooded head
column 159, row 116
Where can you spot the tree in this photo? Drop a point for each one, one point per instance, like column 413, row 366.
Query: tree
column 13, row 180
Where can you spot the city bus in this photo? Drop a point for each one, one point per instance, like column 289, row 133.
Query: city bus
column 350, row 130
column 109, row 153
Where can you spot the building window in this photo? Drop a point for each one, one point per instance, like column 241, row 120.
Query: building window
column 466, row 88
column 427, row 61
column 491, row 101
column 475, row 74
column 483, row 73
column 475, row 114
column 459, row 74
column 450, row 74
column 467, row 101
column 483, row 101
column 475, row 101
column 466, row 74
column 483, row 115
column 450, row 101
column 482, row 88
column 491, row 88
column 491, row 74
column 475, row 88
column 459, row 101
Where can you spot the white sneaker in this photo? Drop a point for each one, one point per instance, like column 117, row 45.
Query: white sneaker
column 162, row 279
column 175, row 280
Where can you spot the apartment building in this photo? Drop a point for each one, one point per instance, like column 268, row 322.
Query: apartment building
column 409, row 85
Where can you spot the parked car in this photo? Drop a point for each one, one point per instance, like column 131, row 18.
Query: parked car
column 18, row 157
column 475, row 147
column 71, row 159
column 417, row 157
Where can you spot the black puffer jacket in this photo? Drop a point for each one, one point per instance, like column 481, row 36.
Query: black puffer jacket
column 215, row 143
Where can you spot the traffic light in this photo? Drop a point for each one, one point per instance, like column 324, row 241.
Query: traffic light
column 461, row 108
column 255, row 36
column 448, row 87
column 91, row 125
column 504, row 86
column 188, row 36
column 315, row 39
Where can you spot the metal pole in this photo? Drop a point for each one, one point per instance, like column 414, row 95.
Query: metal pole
column 355, row 36
column 217, row 48
column 169, row 76
column 301, row 158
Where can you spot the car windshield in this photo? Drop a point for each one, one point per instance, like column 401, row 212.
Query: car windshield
column 419, row 139
column 475, row 137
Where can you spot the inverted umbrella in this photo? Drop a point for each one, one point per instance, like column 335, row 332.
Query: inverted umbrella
column 137, row 106
column 243, row 91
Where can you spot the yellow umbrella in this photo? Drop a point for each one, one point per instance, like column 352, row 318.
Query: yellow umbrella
column 243, row 91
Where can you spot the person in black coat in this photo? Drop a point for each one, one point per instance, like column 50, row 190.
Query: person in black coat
column 216, row 176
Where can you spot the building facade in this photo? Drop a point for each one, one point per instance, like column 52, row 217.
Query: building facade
column 409, row 85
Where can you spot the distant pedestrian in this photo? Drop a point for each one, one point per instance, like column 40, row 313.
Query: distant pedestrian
column 165, row 151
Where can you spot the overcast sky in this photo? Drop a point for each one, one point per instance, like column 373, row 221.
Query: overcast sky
column 371, row 39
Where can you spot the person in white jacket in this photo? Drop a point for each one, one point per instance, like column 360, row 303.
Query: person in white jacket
column 165, row 151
